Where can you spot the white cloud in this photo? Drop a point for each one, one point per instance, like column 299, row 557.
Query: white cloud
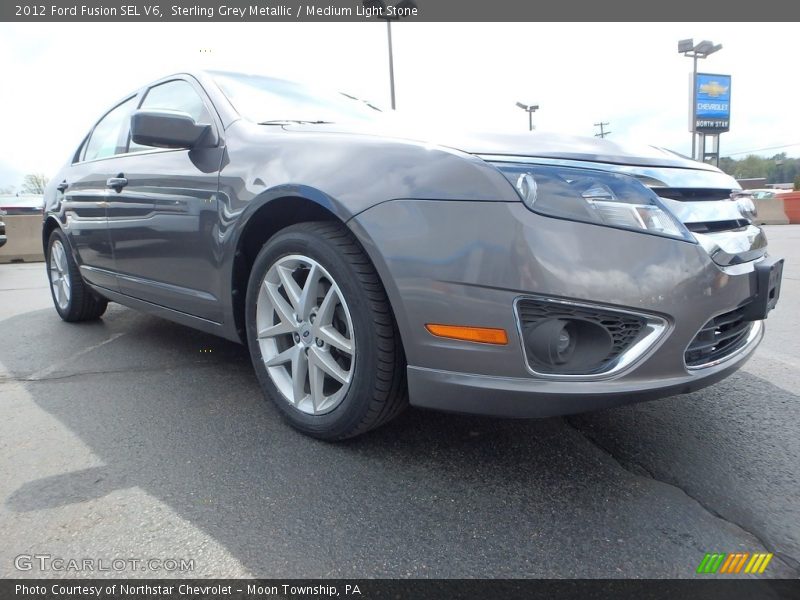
column 58, row 78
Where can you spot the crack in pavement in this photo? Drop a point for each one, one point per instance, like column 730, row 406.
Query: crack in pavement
column 55, row 367
column 788, row 561
column 36, row 379
column 51, row 373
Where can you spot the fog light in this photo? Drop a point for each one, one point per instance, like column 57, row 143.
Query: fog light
column 564, row 341
column 571, row 346
column 551, row 342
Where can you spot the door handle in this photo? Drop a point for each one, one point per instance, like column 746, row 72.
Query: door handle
column 117, row 183
column 62, row 187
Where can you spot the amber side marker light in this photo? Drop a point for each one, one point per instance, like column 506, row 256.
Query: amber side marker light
column 482, row 335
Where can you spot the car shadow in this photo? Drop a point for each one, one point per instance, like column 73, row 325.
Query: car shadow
column 179, row 415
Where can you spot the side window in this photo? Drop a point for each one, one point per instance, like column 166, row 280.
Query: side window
column 104, row 140
column 174, row 95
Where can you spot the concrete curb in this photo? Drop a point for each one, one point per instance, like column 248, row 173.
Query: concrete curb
column 771, row 212
column 24, row 233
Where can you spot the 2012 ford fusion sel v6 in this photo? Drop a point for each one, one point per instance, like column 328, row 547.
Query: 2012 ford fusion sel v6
column 367, row 268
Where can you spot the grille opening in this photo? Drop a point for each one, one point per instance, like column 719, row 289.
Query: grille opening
column 714, row 226
column 721, row 336
column 694, row 194
column 622, row 329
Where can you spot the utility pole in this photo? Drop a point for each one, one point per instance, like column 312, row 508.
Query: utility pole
column 391, row 61
column 603, row 133
column 379, row 7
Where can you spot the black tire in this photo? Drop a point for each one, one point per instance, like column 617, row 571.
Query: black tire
column 83, row 304
column 377, row 392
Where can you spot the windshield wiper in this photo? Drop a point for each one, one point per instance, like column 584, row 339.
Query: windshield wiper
column 295, row 121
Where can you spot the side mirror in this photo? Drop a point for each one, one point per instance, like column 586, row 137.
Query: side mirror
column 168, row 129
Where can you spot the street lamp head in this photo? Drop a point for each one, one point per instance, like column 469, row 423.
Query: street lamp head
column 701, row 50
column 704, row 47
column 528, row 107
column 522, row 106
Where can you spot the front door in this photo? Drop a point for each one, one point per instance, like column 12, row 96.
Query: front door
column 163, row 214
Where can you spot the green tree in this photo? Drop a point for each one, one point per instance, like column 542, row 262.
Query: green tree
column 752, row 166
column 777, row 169
column 34, row 183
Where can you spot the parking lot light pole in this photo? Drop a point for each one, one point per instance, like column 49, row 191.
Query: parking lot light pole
column 391, row 60
column 702, row 50
column 380, row 7
column 530, row 109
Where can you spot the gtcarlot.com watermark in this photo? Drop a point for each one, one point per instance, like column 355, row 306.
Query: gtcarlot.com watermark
column 61, row 564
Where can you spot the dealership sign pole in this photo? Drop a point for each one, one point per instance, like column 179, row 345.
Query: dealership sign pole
column 702, row 50
column 711, row 107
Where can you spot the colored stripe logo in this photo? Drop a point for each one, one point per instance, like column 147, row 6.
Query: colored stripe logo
column 734, row 563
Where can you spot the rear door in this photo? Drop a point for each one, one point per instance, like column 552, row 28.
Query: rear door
column 85, row 194
column 163, row 218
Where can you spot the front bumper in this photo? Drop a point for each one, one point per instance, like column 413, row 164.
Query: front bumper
column 468, row 262
column 526, row 397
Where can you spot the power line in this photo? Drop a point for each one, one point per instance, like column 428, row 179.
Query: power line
column 762, row 149
column 603, row 133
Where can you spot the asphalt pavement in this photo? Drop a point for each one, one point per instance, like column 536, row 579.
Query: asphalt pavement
column 134, row 437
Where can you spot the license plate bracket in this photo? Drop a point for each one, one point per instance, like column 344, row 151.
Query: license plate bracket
column 769, row 273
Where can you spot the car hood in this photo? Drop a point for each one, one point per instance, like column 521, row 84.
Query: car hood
column 532, row 144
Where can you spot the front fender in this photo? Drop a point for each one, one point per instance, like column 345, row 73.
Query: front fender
column 352, row 172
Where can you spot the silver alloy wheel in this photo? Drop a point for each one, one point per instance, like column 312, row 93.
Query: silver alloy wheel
column 59, row 275
column 305, row 333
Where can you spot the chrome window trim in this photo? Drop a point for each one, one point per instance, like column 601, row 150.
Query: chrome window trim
column 656, row 329
column 753, row 338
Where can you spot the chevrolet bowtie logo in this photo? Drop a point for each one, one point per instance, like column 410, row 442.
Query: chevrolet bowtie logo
column 713, row 88
column 736, row 562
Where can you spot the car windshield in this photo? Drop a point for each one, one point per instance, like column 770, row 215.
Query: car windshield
column 269, row 100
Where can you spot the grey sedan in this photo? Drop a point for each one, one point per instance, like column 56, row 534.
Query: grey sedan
column 367, row 267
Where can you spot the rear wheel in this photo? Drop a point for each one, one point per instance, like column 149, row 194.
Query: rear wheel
column 74, row 300
column 321, row 333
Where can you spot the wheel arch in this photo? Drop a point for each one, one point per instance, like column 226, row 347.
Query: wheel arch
column 50, row 224
column 266, row 217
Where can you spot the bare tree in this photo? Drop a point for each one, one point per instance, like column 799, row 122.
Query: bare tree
column 7, row 190
column 34, row 183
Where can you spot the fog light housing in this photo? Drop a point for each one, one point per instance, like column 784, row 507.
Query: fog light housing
column 568, row 346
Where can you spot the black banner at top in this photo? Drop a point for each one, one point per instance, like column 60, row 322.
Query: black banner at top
column 413, row 10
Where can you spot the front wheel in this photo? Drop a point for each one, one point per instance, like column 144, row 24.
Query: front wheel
column 74, row 300
column 321, row 333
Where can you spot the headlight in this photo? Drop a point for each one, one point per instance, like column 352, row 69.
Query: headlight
column 590, row 196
